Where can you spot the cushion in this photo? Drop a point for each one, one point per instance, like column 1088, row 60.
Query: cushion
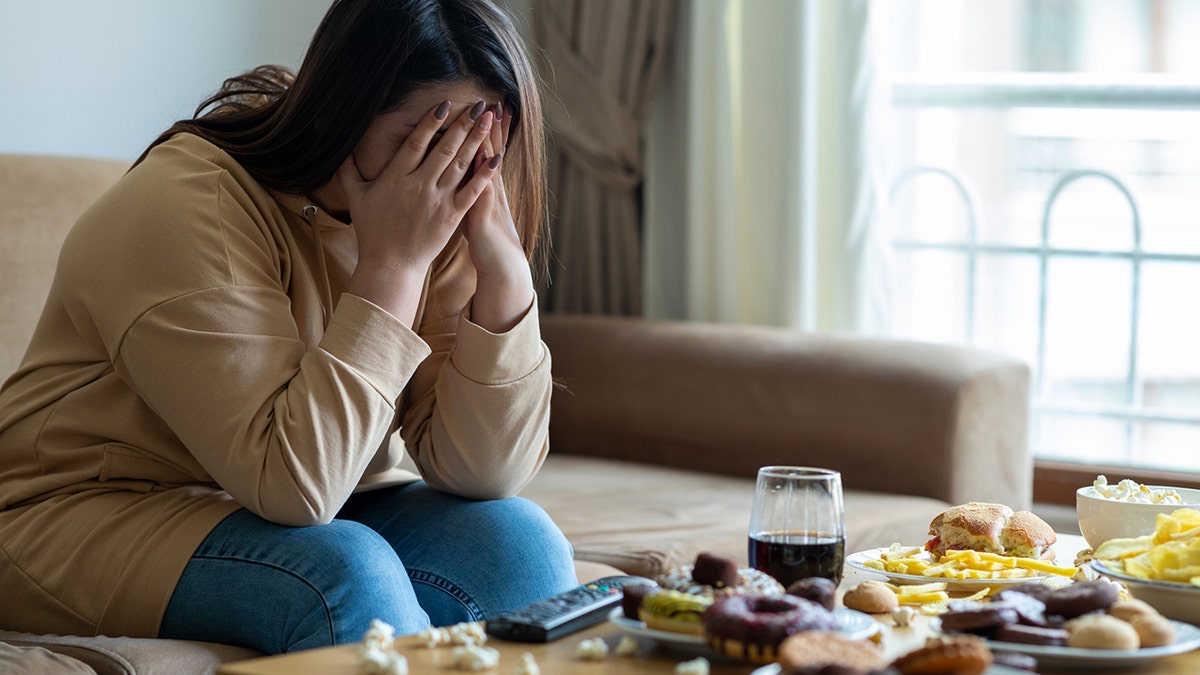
column 117, row 656
column 642, row 519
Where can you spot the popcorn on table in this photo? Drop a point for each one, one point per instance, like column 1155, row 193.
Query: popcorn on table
column 591, row 649
column 697, row 666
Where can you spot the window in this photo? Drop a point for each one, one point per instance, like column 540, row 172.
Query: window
column 1046, row 203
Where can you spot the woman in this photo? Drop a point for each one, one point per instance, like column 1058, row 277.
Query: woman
column 199, row 442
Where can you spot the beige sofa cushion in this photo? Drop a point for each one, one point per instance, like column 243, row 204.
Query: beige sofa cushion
column 642, row 518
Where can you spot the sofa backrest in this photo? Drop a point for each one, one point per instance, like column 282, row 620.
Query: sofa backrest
column 40, row 199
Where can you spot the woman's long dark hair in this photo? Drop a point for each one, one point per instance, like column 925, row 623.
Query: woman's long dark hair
column 292, row 132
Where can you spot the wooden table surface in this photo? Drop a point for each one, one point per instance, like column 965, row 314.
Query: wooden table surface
column 559, row 657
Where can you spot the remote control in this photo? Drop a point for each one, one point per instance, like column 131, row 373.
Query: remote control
column 562, row 614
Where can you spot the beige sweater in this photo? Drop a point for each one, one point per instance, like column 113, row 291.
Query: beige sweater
column 188, row 362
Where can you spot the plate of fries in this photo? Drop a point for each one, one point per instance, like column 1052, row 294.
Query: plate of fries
column 959, row 570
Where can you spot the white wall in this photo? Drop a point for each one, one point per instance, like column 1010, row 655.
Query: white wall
column 102, row 78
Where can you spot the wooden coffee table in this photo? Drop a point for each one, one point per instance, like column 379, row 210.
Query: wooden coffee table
column 560, row 658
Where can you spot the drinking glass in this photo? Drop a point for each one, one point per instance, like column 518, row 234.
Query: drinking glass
column 798, row 524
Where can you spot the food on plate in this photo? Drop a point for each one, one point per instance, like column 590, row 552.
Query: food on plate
column 990, row 528
column 1081, row 598
column 961, row 655
column 632, row 596
column 932, row 593
column 871, row 597
column 1101, row 631
column 1153, row 630
column 715, row 581
column 818, row 589
column 1131, row 491
column 962, row 564
column 1078, row 615
column 1015, row 660
column 1045, row 636
column 1170, row 553
column 812, row 650
column 674, row 611
column 751, row 627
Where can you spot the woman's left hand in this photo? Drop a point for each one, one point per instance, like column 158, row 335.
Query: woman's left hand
column 504, row 291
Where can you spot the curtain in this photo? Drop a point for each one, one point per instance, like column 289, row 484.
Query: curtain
column 603, row 61
column 764, row 169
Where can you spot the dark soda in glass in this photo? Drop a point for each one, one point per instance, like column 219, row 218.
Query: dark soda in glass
column 791, row 556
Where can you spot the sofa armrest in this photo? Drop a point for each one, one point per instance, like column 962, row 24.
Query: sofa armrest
column 893, row 416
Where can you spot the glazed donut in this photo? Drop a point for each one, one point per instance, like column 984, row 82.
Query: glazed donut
column 751, row 627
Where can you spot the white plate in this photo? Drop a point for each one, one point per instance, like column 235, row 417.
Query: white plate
column 1172, row 599
column 852, row 625
column 774, row 669
column 1187, row 638
column 858, row 561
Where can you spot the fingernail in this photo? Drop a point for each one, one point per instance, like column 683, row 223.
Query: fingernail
column 499, row 114
column 478, row 110
column 442, row 110
column 495, row 161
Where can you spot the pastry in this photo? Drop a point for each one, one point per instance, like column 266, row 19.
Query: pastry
column 674, row 611
column 818, row 589
column 750, row 627
column 812, row 650
column 871, row 597
column 631, row 598
column 1029, row 635
column 967, row 616
column 1081, row 598
column 749, row 582
column 1154, row 630
column 961, row 655
column 1102, row 631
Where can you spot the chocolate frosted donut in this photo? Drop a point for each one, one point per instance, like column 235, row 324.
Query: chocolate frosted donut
column 750, row 627
column 818, row 589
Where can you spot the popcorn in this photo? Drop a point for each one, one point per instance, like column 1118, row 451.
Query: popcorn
column 527, row 666
column 475, row 657
column 375, row 654
column 434, row 637
column 1131, row 491
column 903, row 615
column 628, row 646
column 591, row 649
column 697, row 666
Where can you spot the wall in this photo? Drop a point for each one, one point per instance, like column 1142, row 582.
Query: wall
column 102, row 79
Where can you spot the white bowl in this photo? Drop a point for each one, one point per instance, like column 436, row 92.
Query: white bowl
column 1173, row 600
column 1102, row 519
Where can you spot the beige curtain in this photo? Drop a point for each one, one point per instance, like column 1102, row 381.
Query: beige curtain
column 601, row 60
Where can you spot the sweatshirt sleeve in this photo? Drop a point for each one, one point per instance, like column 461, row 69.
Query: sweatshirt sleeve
column 478, row 414
column 287, row 431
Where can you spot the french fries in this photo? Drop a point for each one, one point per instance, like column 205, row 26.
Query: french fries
column 962, row 565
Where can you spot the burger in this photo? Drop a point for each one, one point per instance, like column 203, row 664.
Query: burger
column 992, row 528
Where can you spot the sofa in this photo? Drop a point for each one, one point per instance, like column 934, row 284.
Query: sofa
column 657, row 427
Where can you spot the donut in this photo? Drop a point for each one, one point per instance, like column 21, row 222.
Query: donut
column 1102, row 631
column 750, row 582
column 751, row 627
column 871, row 597
column 665, row 609
column 960, row 655
column 818, row 589
column 810, row 651
column 1081, row 598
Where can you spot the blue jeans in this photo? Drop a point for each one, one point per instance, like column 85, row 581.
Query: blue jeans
column 409, row 555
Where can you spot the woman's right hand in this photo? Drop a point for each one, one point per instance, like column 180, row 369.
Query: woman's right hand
column 404, row 216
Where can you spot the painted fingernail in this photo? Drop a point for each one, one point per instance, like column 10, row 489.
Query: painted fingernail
column 442, row 110
column 478, row 110
column 499, row 113
column 495, row 161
